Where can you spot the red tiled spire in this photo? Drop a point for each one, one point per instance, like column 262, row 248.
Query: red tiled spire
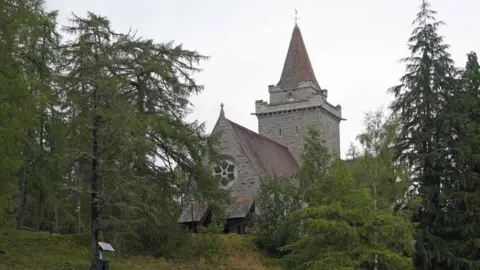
column 297, row 67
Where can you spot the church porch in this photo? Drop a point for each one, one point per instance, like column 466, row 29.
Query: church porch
column 239, row 214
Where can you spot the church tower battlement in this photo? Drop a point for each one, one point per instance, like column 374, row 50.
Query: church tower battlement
column 298, row 102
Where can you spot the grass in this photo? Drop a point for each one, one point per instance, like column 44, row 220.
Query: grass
column 38, row 250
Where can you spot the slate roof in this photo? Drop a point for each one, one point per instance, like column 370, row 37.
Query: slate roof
column 297, row 66
column 266, row 156
column 240, row 207
column 199, row 211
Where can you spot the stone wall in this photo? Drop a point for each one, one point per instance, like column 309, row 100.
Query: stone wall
column 248, row 181
column 291, row 127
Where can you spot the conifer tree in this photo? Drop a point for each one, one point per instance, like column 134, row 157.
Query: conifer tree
column 462, row 186
column 420, row 104
column 341, row 228
column 128, row 98
column 28, row 38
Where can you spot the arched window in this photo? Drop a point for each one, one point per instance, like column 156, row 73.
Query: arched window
column 280, row 132
column 296, row 130
column 225, row 173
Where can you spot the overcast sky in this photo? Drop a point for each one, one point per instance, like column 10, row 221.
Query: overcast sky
column 354, row 46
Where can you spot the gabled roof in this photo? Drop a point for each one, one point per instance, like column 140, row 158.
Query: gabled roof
column 240, row 207
column 197, row 213
column 266, row 156
column 297, row 66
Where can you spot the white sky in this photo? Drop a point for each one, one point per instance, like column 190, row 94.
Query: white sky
column 354, row 46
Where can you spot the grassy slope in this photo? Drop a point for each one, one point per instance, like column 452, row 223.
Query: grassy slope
column 32, row 250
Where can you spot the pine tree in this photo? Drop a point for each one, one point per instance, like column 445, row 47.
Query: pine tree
column 420, row 103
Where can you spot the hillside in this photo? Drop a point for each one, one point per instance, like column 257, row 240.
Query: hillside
column 33, row 250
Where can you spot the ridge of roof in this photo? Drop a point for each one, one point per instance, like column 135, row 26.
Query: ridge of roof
column 257, row 134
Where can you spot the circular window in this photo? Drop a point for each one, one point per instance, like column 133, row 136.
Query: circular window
column 225, row 173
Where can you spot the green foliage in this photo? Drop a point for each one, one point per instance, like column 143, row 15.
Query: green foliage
column 461, row 189
column 211, row 239
column 277, row 197
column 93, row 128
column 316, row 158
column 342, row 229
column 129, row 97
column 376, row 168
column 28, row 33
column 45, row 252
column 437, row 142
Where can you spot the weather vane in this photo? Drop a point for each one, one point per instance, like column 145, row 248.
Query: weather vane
column 296, row 16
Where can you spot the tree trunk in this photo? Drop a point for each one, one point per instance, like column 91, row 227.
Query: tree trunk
column 21, row 213
column 56, row 219
column 38, row 221
column 94, row 201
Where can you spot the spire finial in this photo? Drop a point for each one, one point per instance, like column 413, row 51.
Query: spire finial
column 222, row 113
column 296, row 17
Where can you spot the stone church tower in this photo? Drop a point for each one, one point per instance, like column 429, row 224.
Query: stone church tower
column 298, row 102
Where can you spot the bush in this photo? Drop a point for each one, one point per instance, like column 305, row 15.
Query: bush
column 275, row 200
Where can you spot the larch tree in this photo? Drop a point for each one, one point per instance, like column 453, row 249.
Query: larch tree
column 129, row 97
column 27, row 40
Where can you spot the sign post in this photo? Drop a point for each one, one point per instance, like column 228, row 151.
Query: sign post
column 101, row 263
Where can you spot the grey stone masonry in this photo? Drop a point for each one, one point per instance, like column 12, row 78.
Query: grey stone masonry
column 291, row 112
column 248, row 180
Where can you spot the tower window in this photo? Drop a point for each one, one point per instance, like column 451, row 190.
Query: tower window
column 280, row 132
column 289, row 97
column 296, row 130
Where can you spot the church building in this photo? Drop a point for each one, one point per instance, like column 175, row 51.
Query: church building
column 296, row 102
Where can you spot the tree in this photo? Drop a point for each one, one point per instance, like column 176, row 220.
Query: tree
column 128, row 98
column 388, row 180
column 462, row 184
column 316, row 159
column 341, row 229
column 27, row 44
column 353, row 152
column 276, row 199
column 420, row 106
